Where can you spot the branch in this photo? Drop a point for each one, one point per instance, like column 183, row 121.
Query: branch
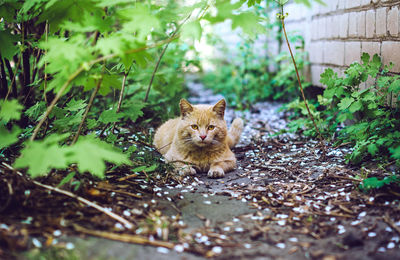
column 120, row 219
column 82, row 68
column 121, row 96
column 159, row 58
column 321, row 139
column 94, row 93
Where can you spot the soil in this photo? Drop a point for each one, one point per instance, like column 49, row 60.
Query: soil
column 286, row 200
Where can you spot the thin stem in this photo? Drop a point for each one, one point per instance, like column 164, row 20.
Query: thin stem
column 159, row 58
column 121, row 95
column 94, row 93
column 300, row 85
column 14, row 77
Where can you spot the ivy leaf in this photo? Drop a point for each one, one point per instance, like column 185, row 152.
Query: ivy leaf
column 110, row 116
column 42, row 156
column 345, row 103
column 8, row 138
column 9, row 110
column 90, row 155
column 75, row 105
column 365, row 58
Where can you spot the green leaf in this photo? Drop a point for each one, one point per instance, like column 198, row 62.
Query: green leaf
column 8, row 138
column 75, row 105
column 42, row 156
column 395, row 152
column 90, row 154
column 9, row 110
column 133, row 109
column 395, row 86
column 7, row 47
column 36, row 110
column 67, row 179
column 192, row 30
column 141, row 21
column 345, row 103
column 373, row 149
column 91, row 123
column 365, row 58
column 355, row 106
column 110, row 116
column 249, row 22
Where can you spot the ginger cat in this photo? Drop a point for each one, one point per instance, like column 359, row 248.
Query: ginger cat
column 199, row 140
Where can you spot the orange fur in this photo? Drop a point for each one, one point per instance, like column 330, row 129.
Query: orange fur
column 199, row 140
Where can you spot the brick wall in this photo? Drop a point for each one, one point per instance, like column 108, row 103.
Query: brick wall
column 337, row 34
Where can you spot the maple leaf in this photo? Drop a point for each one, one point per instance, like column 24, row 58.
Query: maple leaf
column 42, row 156
column 90, row 155
column 10, row 109
column 8, row 138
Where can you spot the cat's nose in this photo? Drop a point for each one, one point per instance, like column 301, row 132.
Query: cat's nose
column 203, row 137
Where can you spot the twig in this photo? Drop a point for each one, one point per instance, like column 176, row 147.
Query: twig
column 118, row 218
column 124, row 237
column 159, row 59
column 94, row 93
column 121, row 95
column 14, row 77
column 390, row 222
column 321, row 139
column 121, row 192
column 82, row 68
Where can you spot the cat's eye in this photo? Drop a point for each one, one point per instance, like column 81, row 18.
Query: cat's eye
column 195, row 127
column 210, row 127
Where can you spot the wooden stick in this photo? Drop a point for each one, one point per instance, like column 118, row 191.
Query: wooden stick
column 120, row 219
column 135, row 239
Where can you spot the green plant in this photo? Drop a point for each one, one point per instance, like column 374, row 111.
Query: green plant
column 366, row 117
column 63, row 63
column 374, row 183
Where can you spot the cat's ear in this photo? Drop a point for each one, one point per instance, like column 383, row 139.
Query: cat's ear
column 219, row 108
column 186, row 107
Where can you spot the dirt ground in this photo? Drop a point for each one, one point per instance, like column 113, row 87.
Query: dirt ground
column 285, row 201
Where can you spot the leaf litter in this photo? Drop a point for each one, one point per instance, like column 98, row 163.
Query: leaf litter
column 298, row 205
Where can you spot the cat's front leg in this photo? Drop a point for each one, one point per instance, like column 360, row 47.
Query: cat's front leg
column 183, row 169
column 217, row 170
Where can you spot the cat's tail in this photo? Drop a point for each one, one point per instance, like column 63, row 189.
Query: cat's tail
column 234, row 132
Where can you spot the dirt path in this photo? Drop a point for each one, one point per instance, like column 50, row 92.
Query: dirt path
column 283, row 202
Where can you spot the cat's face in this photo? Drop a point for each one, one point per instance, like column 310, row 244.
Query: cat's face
column 202, row 125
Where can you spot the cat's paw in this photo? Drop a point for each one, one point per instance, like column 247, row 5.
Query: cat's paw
column 186, row 170
column 216, row 173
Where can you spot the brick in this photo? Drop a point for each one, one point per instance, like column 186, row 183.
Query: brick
column 361, row 24
column 371, row 48
column 315, row 49
column 370, row 23
column 393, row 21
column 334, row 53
column 353, row 24
column 322, row 28
column 316, row 71
column 381, row 14
column 353, row 3
column 391, row 53
column 352, row 52
column 335, row 26
column 342, row 4
column 344, row 25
